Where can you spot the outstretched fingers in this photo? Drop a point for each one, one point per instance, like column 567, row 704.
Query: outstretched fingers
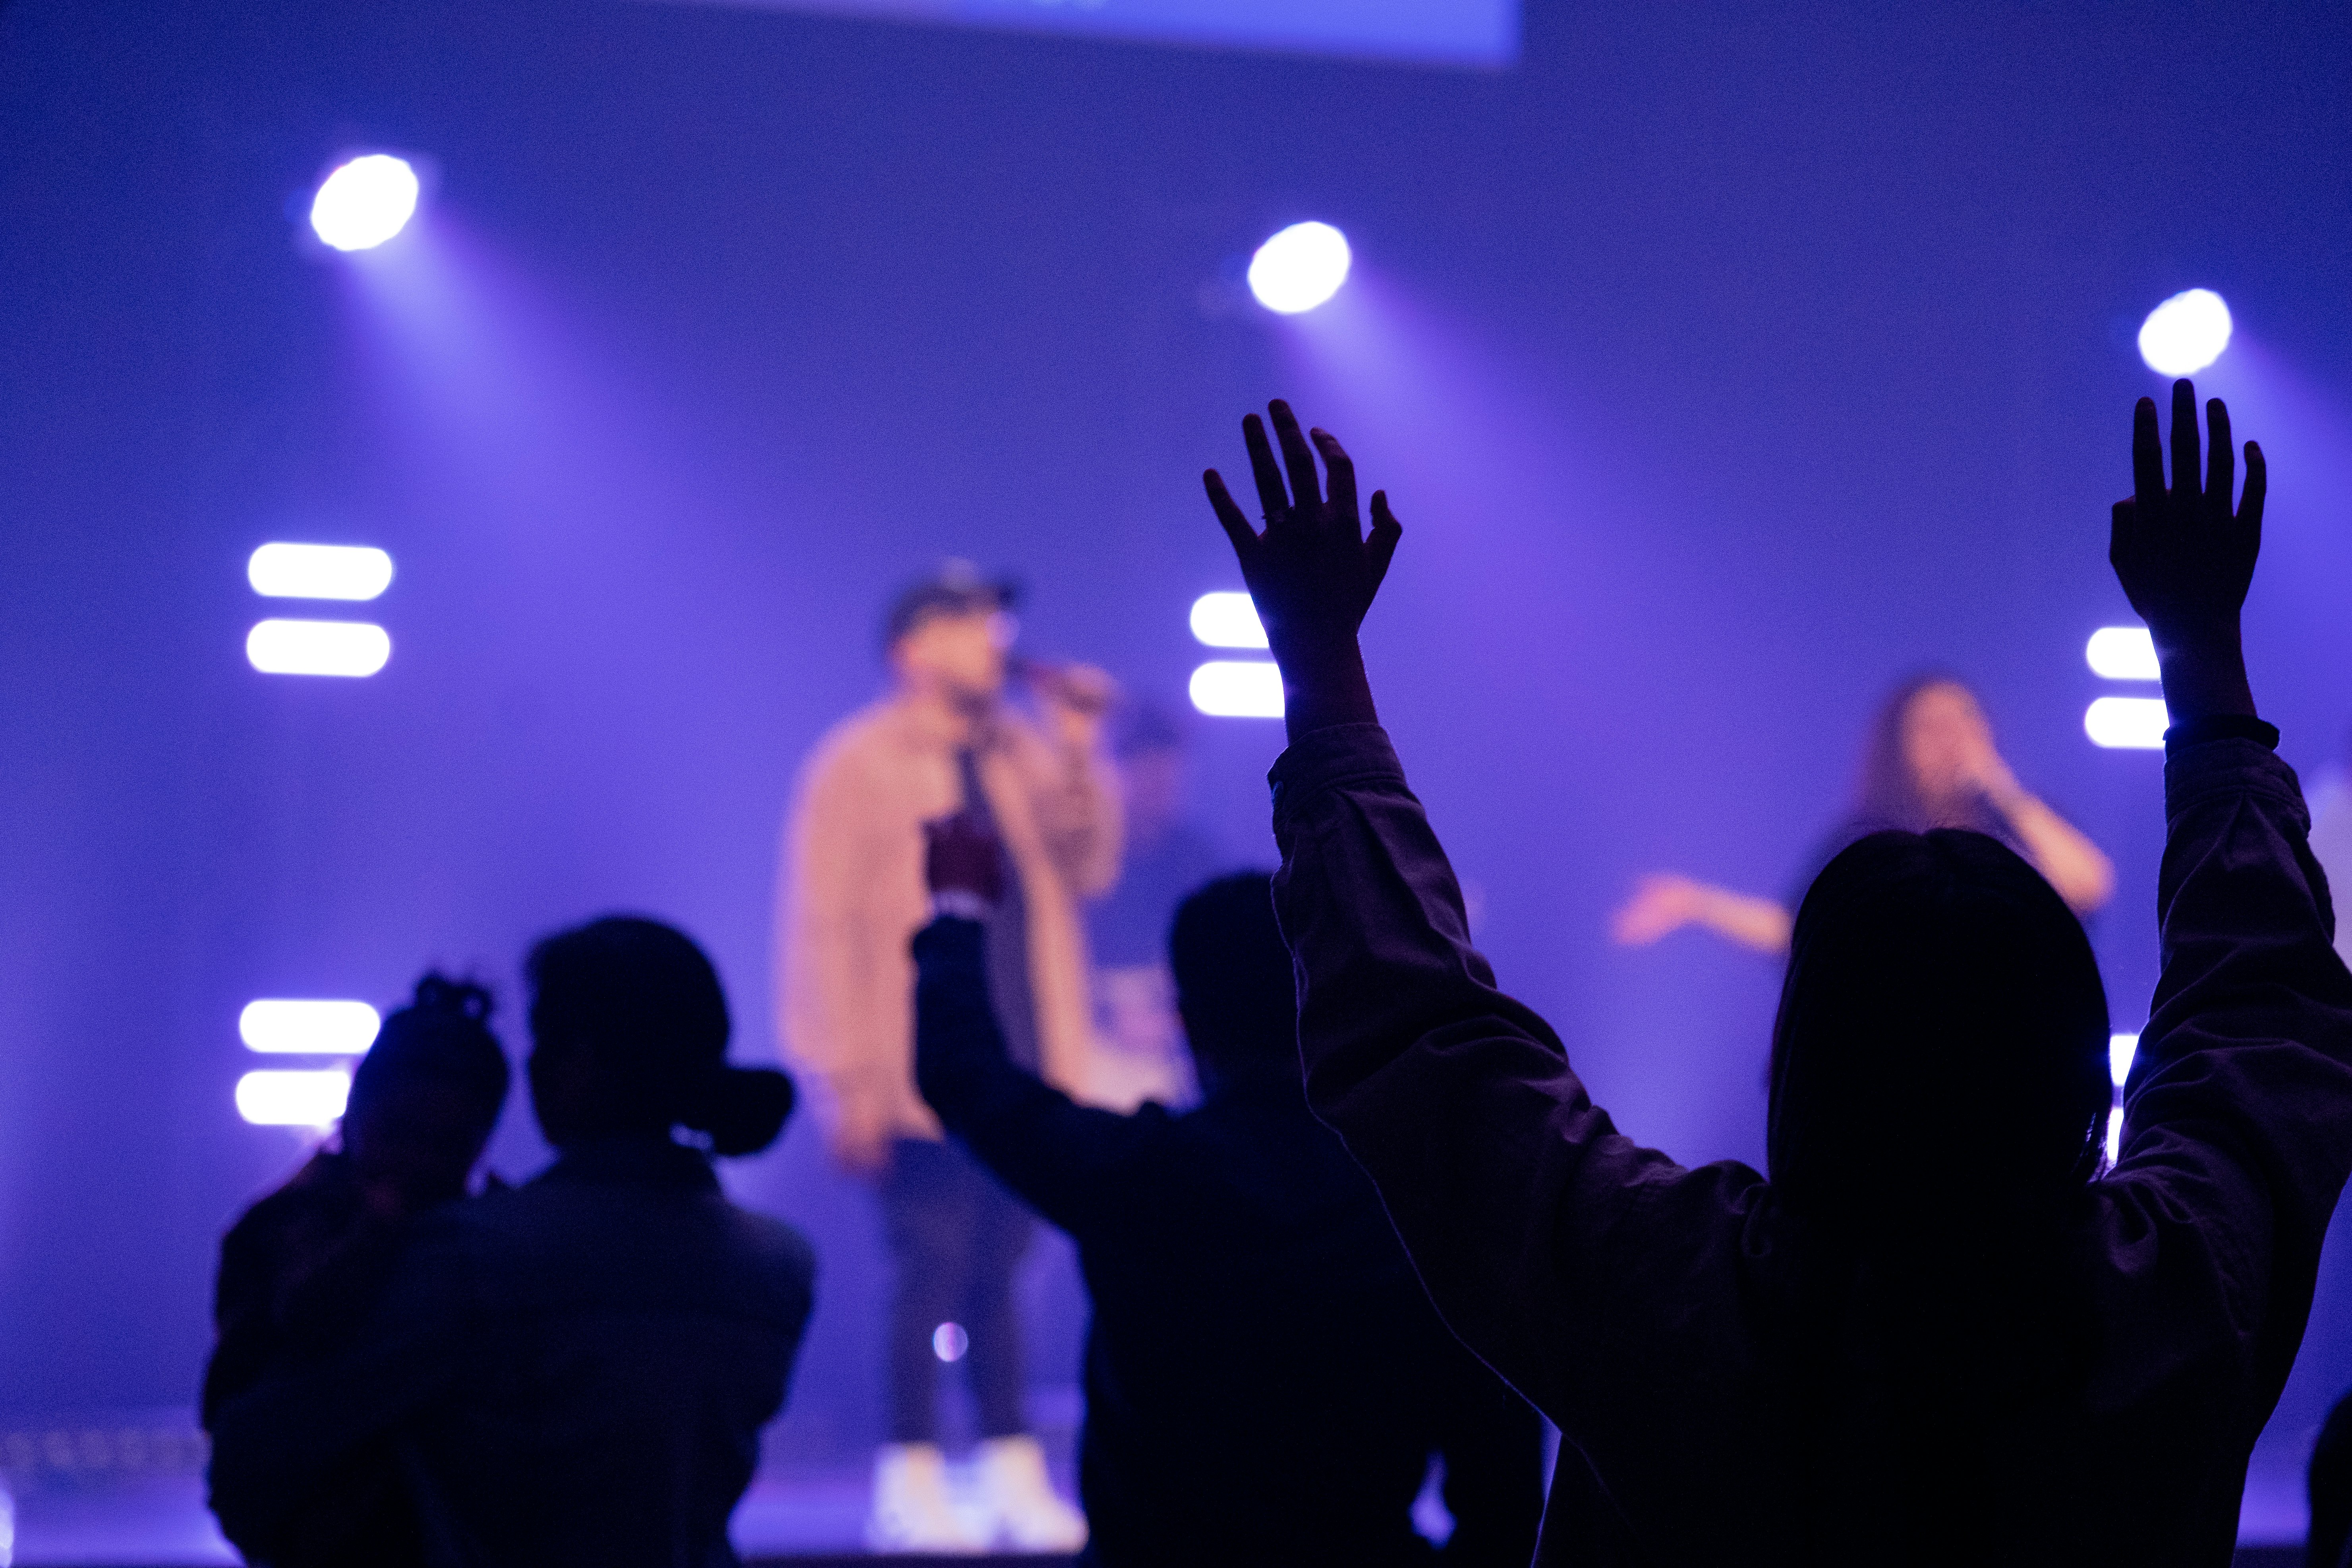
column 1342, row 469
column 1272, row 498
column 2221, row 460
column 1380, row 548
column 2258, row 485
column 2147, row 454
column 1234, row 521
column 1306, row 491
column 2184, row 465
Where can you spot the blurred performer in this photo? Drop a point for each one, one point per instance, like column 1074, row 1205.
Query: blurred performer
column 852, row 897
column 1143, row 1056
column 1930, row 763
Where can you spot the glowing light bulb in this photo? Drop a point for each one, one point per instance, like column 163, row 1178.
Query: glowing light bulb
column 2186, row 333
column 1299, row 268
column 364, row 202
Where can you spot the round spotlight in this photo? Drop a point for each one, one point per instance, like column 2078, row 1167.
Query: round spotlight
column 364, row 202
column 2186, row 333
column 1299, row 268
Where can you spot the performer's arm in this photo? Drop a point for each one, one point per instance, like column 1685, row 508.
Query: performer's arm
column 1665, row 902
column 2068, row 860
column 1065, row 1161
column 825, row 960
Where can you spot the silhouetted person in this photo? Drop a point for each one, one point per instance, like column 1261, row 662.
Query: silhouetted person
column 300, row 1269
column 1936, row 1334
column 2329, row 1542
column 1928, row 761
column 575, row 1371
column 1265, row 1380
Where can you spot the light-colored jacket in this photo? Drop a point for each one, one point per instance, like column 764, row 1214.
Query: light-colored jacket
column 852, row 895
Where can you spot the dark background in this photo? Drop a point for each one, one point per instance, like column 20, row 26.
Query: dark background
column 1724, row 362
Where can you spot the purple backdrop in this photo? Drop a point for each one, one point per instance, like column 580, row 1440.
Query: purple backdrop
column 1722, row 365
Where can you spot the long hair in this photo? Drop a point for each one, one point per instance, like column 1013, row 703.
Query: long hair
column 1939, row 1097
column 1886, row 795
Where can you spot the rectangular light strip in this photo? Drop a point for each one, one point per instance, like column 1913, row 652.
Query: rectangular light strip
column 307, row 1027
column 318, row 570
column 2128, row 723
column 1238, row 689
column 2122, row 653
column 1227, row 620
column 318, row 648
column 2121, row 1049
column 274, row 1097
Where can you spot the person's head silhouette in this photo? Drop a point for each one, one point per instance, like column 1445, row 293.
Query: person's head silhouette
column 1233, row 986
column 1942, row 1034
column 629, row 1032
column 425, row 1097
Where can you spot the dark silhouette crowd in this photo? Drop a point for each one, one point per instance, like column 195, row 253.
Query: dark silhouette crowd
column 1942, row 1327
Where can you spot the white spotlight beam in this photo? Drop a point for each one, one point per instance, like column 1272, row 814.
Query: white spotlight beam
column 1299, row 268
column 2186, row 333
column 364, row 202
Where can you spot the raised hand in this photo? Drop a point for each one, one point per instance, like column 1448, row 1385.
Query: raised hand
column 2185, row 557
column 1313, row 572
column 960, row 855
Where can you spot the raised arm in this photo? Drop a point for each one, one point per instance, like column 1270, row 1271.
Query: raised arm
column 1067, row 1162
column 2240, row 1102
column 1666, row 901
column 1541, row 1232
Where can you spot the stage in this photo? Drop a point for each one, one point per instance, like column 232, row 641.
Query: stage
column 128, row 1492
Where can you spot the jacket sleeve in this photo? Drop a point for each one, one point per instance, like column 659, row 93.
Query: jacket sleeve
column 1076, row 801
column 2238, row 1111
column 1070, row 1162
column 825, row 934
column 1556, row 1248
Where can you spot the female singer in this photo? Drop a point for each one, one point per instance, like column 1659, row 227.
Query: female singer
column 1930, row 763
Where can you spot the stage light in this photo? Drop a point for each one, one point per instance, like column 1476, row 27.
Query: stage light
column 279, row 1098
column 2121, row 1048
column 306, row 1027
column 1227, row 620
column 2122, row 653
column 1238, row 689
column 2186, row 333
column 2130, row 723
column 317, row 648
column 319, row 572
column 1299, row 268
column 2116, row 1134
column 949, row 1342
column 364, row 202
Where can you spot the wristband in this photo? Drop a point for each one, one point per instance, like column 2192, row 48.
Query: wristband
column 2221, row 727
